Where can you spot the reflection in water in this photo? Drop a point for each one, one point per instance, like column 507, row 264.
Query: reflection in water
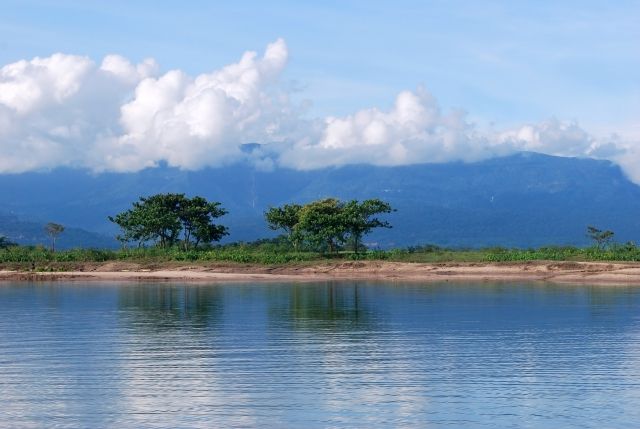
column 348, row 354
column 163, row 307
column 336, row 304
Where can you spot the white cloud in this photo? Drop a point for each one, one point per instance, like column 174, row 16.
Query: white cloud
column 552, row 137
column 29, row 85
column 196, row 122
column 629, row 160
column 414, row 130
column 66, row 110
column 123, row 69
column 53, row 110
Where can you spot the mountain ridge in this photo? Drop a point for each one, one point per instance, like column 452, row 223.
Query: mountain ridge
column 31, row 233
column 521, row 200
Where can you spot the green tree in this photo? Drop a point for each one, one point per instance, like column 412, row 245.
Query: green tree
column 322, row 224
column 197, row 215
column 359, row 218
column 53, row 230
column 285, row 218
column 600, row 237
column 164, row 217
column 132, row 227
column 160, row 215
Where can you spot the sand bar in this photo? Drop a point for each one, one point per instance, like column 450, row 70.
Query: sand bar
column 559, row 272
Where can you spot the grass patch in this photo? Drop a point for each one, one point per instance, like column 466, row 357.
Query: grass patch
column 274, row 254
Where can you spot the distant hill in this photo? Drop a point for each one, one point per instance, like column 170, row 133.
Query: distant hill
column 32, row 233
column 521, row 200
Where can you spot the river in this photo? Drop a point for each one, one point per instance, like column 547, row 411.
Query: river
column 315, row 355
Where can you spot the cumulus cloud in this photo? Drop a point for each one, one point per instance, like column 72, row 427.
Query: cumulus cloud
column 197, row 122
column 67, row 110
column 413, row 130
column 53, row 110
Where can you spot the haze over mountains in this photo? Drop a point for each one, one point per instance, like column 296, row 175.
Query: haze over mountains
column 521, row 200
column 32, row 233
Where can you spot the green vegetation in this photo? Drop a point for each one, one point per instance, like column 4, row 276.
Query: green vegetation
column 601, row 238
column 285, row 218
column 277, row 251
column 170, row 219
column 254, row 253
column 359, row 219
column 53, row 230
column 173, row 227
column 329, row 224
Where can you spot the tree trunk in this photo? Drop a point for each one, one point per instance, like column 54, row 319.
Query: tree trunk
column 187, row 238
column 292, row 241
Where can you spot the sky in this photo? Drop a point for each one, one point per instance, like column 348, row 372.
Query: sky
column 125, row 85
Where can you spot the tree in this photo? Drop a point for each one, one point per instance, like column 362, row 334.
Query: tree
column 53, row 230
column 133, row 227
column 601, row 238
column 160, row 215
column 329, row 222
column 321, row 222
column 196, row 216
column 164, row 217
column 285, row 218
column 151, row 218
column 358, row 218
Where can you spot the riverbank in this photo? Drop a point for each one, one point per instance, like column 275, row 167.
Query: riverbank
column 548, row 271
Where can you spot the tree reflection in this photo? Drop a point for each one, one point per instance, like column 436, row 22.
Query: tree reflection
column 165, row 306
column 330, row 305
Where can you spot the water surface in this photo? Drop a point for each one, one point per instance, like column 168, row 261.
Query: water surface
column 345, row 354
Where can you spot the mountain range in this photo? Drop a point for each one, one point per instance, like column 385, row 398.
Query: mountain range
column 520, row 200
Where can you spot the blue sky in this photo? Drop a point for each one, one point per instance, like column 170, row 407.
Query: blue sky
column 508, row 61
column 505, row 63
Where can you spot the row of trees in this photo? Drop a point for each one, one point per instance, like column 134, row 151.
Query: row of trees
column 174, row 219
column 329, row 223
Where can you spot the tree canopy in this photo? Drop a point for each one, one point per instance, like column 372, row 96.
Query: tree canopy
column 53, row 230
column 285, row 218
column 328, row 223
column 169, row 219
column 322, row 223
column 602, row 238
column 359, row 218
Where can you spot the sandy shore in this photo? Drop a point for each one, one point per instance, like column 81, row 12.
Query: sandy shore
column 559, row 272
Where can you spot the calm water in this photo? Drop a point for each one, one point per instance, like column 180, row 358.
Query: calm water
column 319, row 355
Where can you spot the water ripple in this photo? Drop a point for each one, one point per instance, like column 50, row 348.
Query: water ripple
column 319, row 355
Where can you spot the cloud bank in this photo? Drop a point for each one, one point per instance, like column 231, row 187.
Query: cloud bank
column 67, row 110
